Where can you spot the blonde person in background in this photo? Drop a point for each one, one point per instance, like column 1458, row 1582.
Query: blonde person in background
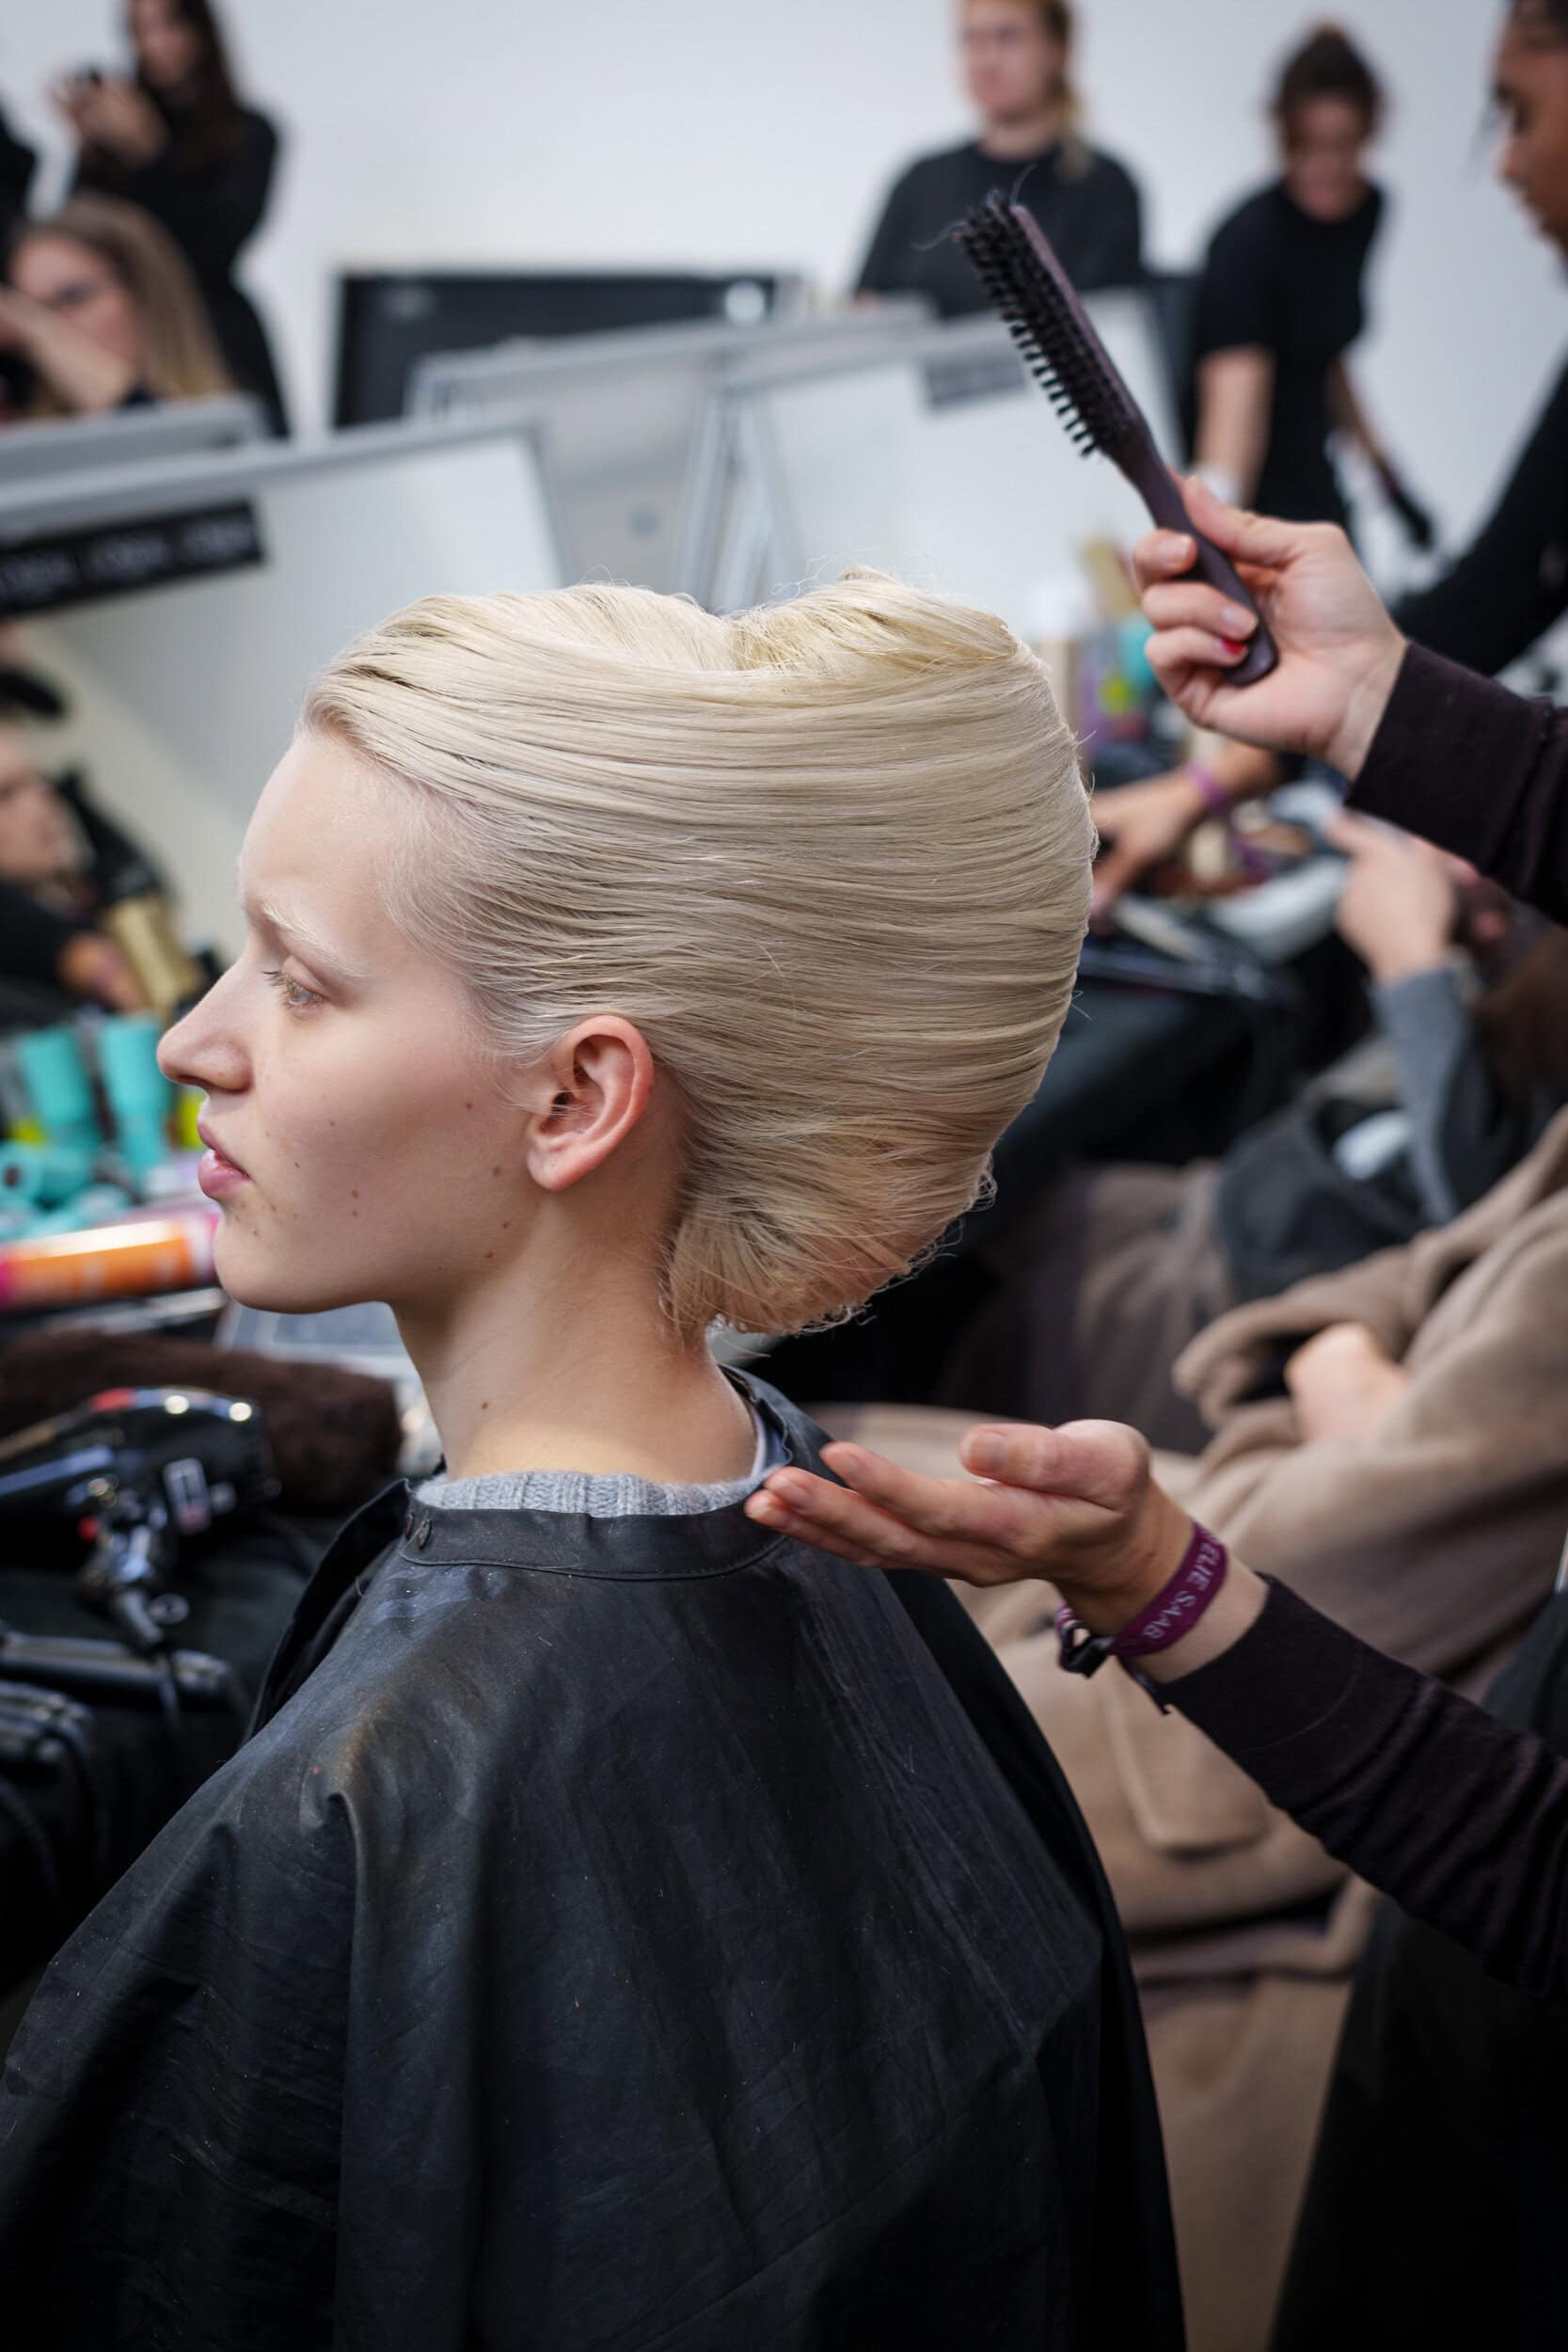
column 103, row 309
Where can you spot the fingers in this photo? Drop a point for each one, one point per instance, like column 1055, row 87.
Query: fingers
column 1162, row 555
column 836, row 1520
column 1192, row 604
column 1099, row 1462
column 1258, row 539
column 1115, row 872
column 1349, row 835
column 1178, row 650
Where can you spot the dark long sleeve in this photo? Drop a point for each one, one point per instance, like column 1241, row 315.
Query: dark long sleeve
column 17, row 162
column 1480, row 771
column 1510, row 585
column 210, row 213
column 1461, row 1819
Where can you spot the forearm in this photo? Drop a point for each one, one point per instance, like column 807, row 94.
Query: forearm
column 1345, row 406
column 1234, row 391
column 1463, row 1819
column 1476, row 768
column 1459, row 1818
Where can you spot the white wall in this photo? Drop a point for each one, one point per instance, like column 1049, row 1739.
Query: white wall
column 711, row 133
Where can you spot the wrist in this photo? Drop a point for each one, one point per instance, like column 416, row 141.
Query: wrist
column 1405, row 960
column 1347, row 749
column 1209, row 791
column 1149, row 1557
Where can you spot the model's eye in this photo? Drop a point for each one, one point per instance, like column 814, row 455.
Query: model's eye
column 295, row 995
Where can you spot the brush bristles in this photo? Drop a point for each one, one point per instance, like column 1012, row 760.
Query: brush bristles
column 1042, row 318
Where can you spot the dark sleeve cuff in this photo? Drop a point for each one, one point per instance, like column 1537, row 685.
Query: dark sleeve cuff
column 1467, row 763
column 1293, row 1669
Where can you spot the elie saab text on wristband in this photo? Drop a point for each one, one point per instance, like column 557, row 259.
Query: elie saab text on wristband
column 1173, row 1612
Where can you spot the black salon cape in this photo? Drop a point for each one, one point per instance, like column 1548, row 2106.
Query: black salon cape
column 635, row 1932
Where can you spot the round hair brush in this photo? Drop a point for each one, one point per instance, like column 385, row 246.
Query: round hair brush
column 1028, row 286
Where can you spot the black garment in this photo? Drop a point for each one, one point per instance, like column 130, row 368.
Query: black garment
column 211, row 209
column 18, row 163
column 1510, row 585
column 1277, row 280
column 1434, row 2210
column 616, row 1932
column 1479, row 769
column 1088, row 204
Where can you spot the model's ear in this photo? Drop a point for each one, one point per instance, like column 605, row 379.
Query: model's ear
column 594, row 1086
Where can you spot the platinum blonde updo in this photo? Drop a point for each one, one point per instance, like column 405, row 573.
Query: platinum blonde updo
column 831, row 857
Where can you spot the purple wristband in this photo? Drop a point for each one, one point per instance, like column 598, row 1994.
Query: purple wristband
column 1216, row 800
column 1170, row 1616
column 1176, row 1610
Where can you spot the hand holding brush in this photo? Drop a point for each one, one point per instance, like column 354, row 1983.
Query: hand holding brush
column 1028, row 286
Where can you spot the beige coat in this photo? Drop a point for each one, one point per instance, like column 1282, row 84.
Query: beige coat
column 1437, row 1537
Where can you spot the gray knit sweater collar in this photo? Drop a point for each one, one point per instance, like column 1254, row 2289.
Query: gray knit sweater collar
column 602, row 1496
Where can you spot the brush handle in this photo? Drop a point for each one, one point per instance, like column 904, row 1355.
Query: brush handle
column 1161, row 494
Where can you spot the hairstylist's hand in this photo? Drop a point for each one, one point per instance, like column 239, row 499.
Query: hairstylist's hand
column 1075, row 1505
column 88, row 379
column 99, row 969
column 117, row 118
column 1141, row 825
column 1400, row 901
column 1340, row 652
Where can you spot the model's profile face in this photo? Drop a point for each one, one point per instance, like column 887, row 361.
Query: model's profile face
column 1530, row 85
column 79, row 287
column 366, row 1151
column 1325, row 151
column 1011, row 65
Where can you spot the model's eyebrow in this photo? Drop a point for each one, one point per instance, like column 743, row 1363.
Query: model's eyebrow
column 295, row 930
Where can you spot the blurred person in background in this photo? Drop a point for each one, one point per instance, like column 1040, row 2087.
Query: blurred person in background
column 177, row 140
column 59, row 859
column 1510, row 585
column 105, row 315
column 1097, row 1291
column 18, row 163
column 1280, row 302
column 1018, row 72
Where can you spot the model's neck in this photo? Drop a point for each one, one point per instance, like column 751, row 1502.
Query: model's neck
column 1022, row 136
column 576, row 1367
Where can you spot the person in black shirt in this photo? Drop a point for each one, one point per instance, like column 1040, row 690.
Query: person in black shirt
column 1017, row 55
column 1280, row 303
column 178, row 142
column 18, row 163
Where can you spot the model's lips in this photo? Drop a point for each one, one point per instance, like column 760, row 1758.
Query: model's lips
column 216, row 1174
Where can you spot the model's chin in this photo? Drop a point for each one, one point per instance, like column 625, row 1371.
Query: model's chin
column 256, row 1273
